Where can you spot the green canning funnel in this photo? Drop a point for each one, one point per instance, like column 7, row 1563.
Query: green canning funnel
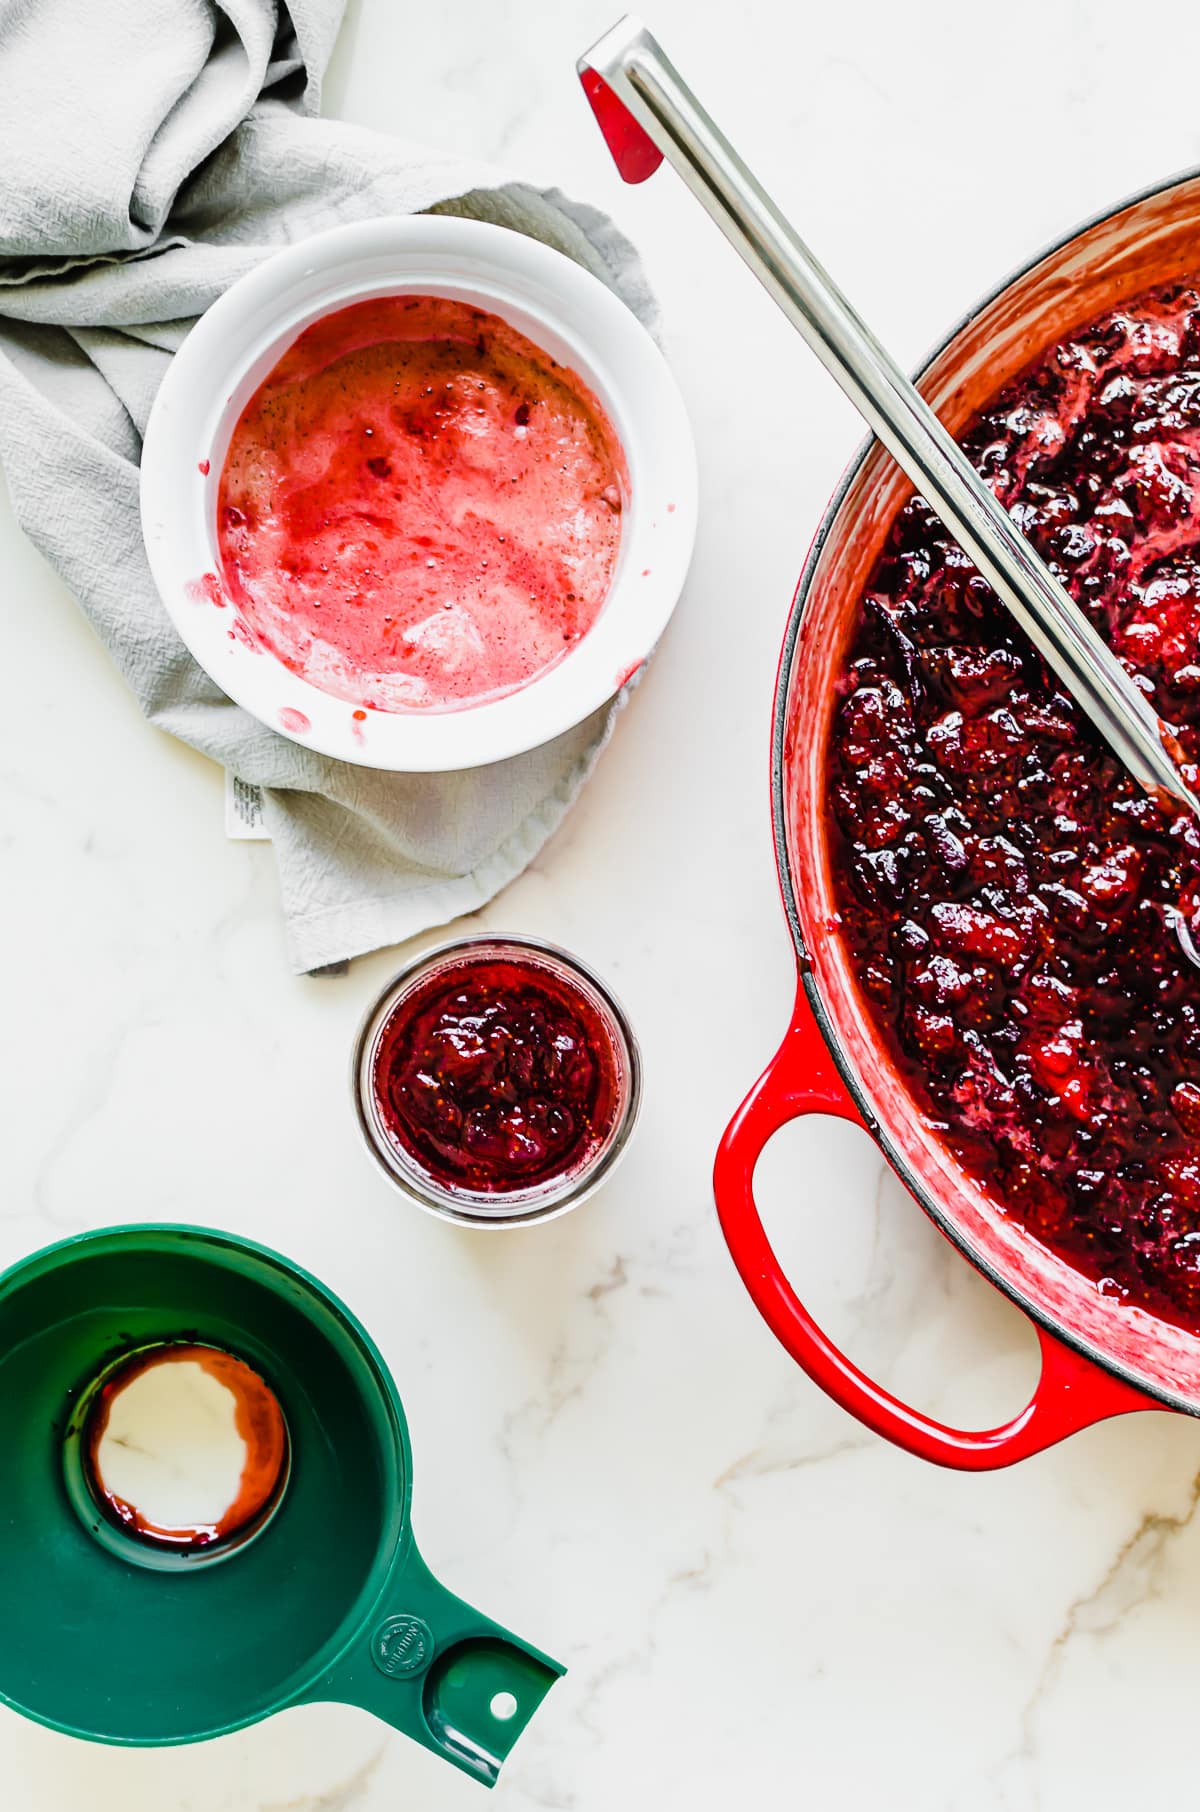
column 103, row 1638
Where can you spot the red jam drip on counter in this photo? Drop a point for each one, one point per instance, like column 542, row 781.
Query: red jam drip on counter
column 419, row 508
column 259, row 1423
column 497, row 1076
column 1003, row 886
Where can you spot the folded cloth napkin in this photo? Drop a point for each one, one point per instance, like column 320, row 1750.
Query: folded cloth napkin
column 154, row 150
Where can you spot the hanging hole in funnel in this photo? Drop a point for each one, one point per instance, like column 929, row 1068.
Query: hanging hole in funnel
column 478, row 1697
column 178, row 1452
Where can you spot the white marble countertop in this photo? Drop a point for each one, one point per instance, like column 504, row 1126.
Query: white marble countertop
column 759, row 1603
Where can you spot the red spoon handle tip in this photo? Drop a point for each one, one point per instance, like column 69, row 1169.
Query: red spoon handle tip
column 634, row 152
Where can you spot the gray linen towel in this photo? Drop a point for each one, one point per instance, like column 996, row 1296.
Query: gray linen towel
column 153, row 150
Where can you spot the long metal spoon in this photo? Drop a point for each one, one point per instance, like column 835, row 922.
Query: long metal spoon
column 647, row 112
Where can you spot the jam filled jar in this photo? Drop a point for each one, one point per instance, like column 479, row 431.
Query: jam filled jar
column 497, row 1081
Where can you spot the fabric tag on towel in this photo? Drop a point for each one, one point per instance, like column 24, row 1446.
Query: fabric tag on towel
column 244, row 811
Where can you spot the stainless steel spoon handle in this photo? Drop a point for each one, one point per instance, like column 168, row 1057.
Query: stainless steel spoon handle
column 629, row 60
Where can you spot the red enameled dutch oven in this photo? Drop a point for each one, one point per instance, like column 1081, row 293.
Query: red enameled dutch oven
column 1099, row 1358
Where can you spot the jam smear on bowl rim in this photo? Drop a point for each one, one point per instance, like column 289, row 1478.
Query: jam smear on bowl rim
column 496, row 1079
column 1003, row 888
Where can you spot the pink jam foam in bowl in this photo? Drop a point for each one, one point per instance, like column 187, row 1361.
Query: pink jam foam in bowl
column 419, row 509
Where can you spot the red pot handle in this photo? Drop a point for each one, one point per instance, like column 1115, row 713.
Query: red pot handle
column 1072, row 1392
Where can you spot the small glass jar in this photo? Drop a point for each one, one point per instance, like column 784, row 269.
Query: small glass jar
column 493, row 977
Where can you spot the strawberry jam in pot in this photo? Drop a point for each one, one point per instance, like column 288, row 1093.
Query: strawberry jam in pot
column 497, row 1079
column 1005, row 889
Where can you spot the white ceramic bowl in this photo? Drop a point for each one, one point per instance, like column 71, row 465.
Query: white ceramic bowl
column 565, row 311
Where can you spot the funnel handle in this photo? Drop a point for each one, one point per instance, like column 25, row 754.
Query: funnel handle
column 443, row 1673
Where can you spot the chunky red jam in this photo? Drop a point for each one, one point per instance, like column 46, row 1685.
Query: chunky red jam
column 1005, row 889
column 498, row 1075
